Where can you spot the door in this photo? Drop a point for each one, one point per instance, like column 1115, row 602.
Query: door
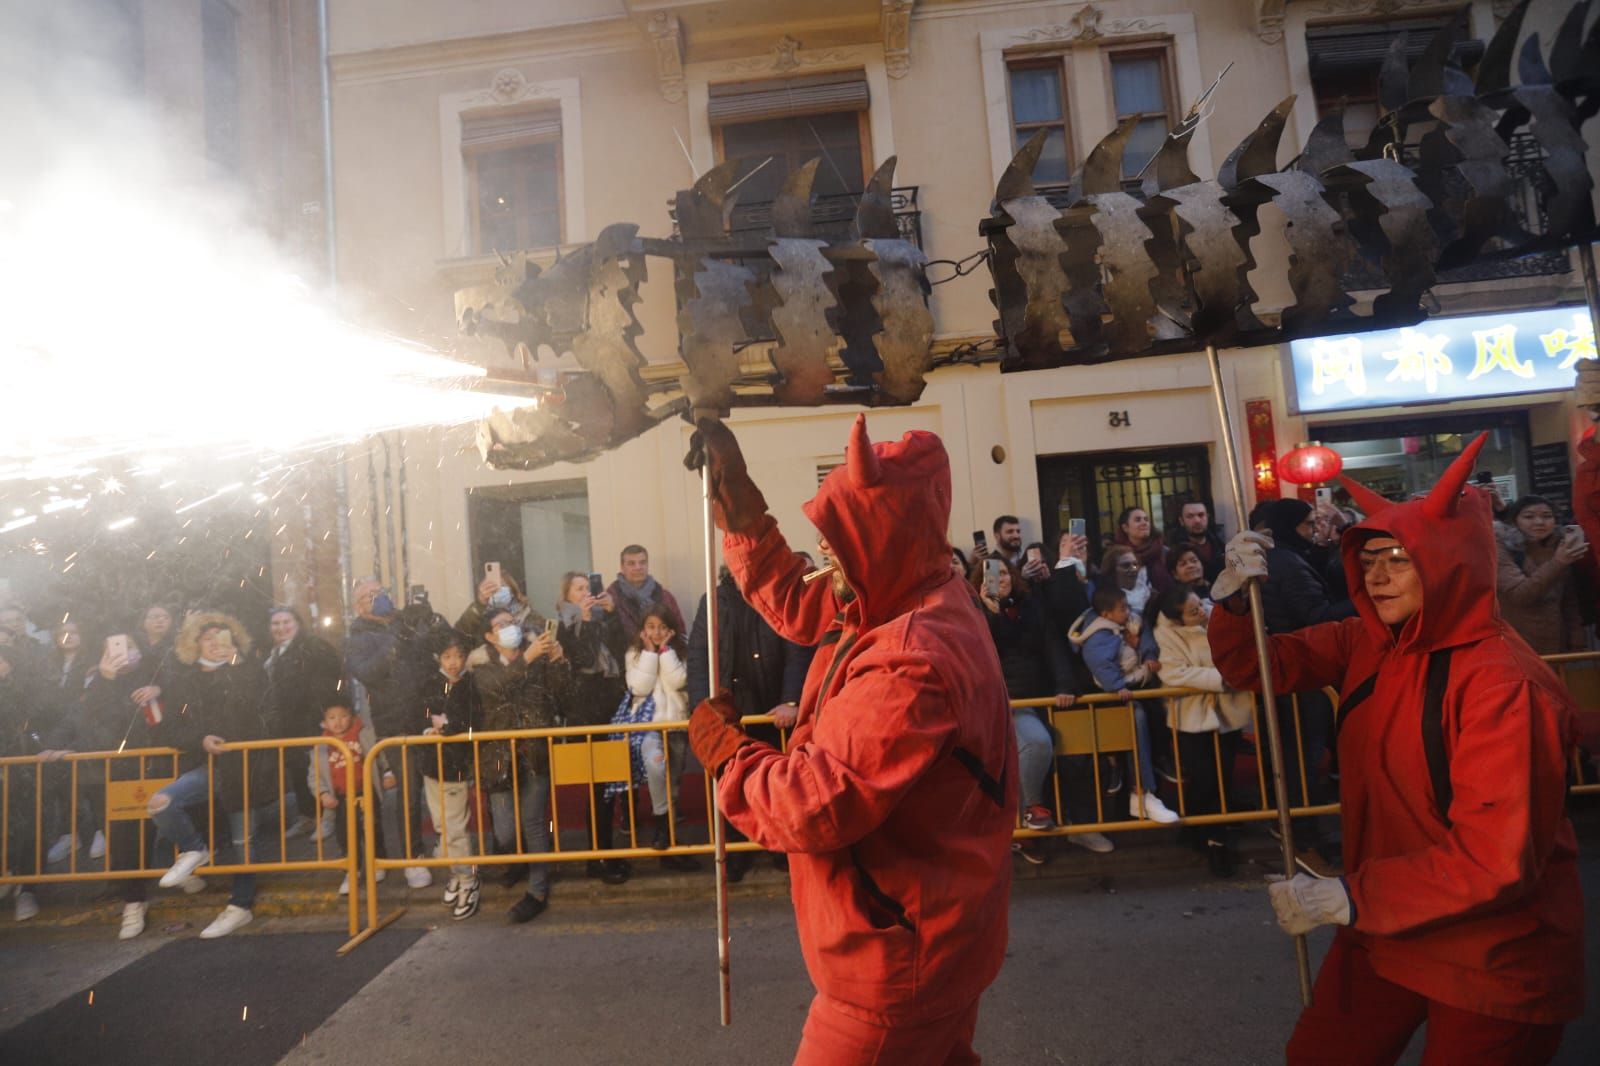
column 1096, row 486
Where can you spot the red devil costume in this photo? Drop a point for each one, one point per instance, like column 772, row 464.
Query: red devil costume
column 897, row 796
column 1454, row 739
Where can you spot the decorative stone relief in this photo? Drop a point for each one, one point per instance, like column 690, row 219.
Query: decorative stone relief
column 1087, row 26
column 666, row 33
column 785, row 56
column 1269, row 20
column 894, row 22
column 508, row 86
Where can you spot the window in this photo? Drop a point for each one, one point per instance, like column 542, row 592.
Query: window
column 1345, row 61
column 219, row 34
column 1039, row 102
column 513, row 163
column 790, row 121
column 1141, row 84
column 536, row 532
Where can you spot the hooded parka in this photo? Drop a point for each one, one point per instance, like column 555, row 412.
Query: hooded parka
column 1480, row 910
column 897, row 796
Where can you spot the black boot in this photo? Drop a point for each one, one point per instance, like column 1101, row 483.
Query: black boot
column 1220, row 857
column 527, row 909
column 660, row 840
column 615, row 871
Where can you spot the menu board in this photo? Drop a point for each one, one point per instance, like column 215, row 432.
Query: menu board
column 1552, row 474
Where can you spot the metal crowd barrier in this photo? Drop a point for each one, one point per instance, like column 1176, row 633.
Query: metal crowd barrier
column 28, row 784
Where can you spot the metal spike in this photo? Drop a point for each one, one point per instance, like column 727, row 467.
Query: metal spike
column 1257, row 154
column 1326, row 148
column 1102, row 172
column 1531, row 69
column 1494, row 69
column 1017, row 181
column 875, row 212
column 1393, row 77
column 791, row 211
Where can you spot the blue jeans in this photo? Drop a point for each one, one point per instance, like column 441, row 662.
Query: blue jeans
column 1035, row 754
column 175, row 825
column 1141, row 736
column 656, row 766
column 535, row 807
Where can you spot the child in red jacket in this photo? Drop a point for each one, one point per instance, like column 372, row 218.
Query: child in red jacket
column 332, row 775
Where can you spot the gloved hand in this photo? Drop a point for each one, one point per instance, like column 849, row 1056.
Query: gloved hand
column 714, row 732
column 736, row 503
column 1246, row 557
column 1306, row 902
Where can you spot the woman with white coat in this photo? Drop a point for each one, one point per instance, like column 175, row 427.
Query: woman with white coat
column 658, row 682
column 1206, row 724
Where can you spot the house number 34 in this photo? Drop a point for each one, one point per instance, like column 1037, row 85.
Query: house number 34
column 1118, row 419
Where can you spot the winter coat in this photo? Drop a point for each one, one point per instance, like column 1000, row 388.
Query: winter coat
column 1211, row 551
column 107, row 719
column 898, row 793
column 224, row 702
column 663, row 676
column 329, row 770
column 462, row 707
column 392, row 660
column 595, row 691
column 519, row 695
column 1294, row 595
column 1034, row 659
column 1538, row 595
column 1185, row 656
column 1483, row 912
column 1153, row 558
column 756, row 666
column 1114, row 665
column 301, row 678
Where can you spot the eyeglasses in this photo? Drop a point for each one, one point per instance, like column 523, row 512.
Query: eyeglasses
column 1127, row 566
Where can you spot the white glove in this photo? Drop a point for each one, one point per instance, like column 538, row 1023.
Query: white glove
column 1306, row 902
column 1246, row 557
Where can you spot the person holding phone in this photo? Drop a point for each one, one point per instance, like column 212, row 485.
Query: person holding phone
column 1537, row 579
column 497, row 591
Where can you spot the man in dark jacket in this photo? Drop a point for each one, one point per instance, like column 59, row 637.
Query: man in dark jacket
column 635, row 593
column 303, row 673
column 1195, row 531
column 761, row 671
column 1295, row 596
column 391, row 653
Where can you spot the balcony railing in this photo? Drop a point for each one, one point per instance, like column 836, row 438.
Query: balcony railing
column 832, row 217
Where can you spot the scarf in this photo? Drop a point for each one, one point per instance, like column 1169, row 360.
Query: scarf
column 643, row 597
column 211, row 664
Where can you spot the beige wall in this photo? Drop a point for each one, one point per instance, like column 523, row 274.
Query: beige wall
column 398, row 64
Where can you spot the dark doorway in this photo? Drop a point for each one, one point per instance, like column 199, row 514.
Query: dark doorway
column 536, row 532
column 1096, row 486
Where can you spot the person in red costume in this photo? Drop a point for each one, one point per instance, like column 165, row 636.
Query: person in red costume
column 1461, row 906
column 897, row 796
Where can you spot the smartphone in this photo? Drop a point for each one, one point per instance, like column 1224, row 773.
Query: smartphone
column 991, row 577
column 1076, row 527
column 492, row 570
column 550, row 627
column 979, row 541
column 418, row 594
column 117, row 644
column 596, row 586
column 1035, row 555
column 1325, row 496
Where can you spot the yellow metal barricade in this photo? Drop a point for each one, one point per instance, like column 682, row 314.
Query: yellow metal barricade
column 123, row 796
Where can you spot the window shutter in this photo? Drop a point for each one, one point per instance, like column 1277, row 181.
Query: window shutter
column 753, row 101
column 1364, row 45
column 495, row 129
column 826, row 467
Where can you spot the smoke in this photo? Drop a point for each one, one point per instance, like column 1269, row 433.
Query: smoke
column 142, row 309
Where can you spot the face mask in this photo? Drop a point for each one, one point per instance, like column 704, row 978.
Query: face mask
column 509, row 637
column 382, row 605
column 500, row 597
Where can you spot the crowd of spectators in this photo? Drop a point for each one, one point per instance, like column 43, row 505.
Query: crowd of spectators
column 1063, row 623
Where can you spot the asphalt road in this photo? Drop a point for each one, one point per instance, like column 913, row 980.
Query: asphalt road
column 1162, row 968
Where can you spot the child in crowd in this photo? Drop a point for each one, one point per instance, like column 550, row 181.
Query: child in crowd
column 451, row 705
column 1122, row 658
column 657, row 692
column 332, row 779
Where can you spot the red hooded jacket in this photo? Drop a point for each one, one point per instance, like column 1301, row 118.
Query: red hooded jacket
column 898, row 794
column 1485, row 913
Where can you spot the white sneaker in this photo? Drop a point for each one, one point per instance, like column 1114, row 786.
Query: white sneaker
column 132, row 920
column 325, row 827
column 194, row 886
column 5, row 889
column 418, row 876
column 59, row 851
column 231, row 918
column 380, row 875
column 300, row 827
column 1153, row 808
column 97, row 846
column 1098, row 843
column 452, row 891
column 27, row 906
column 344, row 886
column 187, row 864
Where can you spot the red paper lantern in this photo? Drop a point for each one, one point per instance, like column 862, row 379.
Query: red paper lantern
column 1310, row 464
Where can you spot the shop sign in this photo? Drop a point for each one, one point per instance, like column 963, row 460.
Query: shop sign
column 1442, row 359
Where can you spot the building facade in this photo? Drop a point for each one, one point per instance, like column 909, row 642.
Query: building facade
column 460, row 133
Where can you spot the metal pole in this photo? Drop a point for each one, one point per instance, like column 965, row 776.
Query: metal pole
column 1280, row 788
column 719, row 840
column 1591, row 285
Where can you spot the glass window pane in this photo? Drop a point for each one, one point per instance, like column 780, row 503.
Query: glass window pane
column 1052, row 168
column 519, row 198
column 1136, row 84
column 833, row 137
column 1035, row 94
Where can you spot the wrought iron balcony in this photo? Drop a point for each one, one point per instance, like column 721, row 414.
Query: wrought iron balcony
column 832, row 216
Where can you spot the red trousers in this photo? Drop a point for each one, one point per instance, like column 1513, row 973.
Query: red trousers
column 1357, row 1018
column 834, row 1038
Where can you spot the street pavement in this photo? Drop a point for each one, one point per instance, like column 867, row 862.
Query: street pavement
column 1163, row 966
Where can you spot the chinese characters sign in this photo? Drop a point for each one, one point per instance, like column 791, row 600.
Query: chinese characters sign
column 1442, row 359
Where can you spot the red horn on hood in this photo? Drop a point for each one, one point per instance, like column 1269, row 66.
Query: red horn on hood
column 862, row 461
column 1441, row 501
column 1367, row 502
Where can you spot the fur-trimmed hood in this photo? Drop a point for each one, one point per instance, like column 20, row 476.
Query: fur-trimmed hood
column 187, row 646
